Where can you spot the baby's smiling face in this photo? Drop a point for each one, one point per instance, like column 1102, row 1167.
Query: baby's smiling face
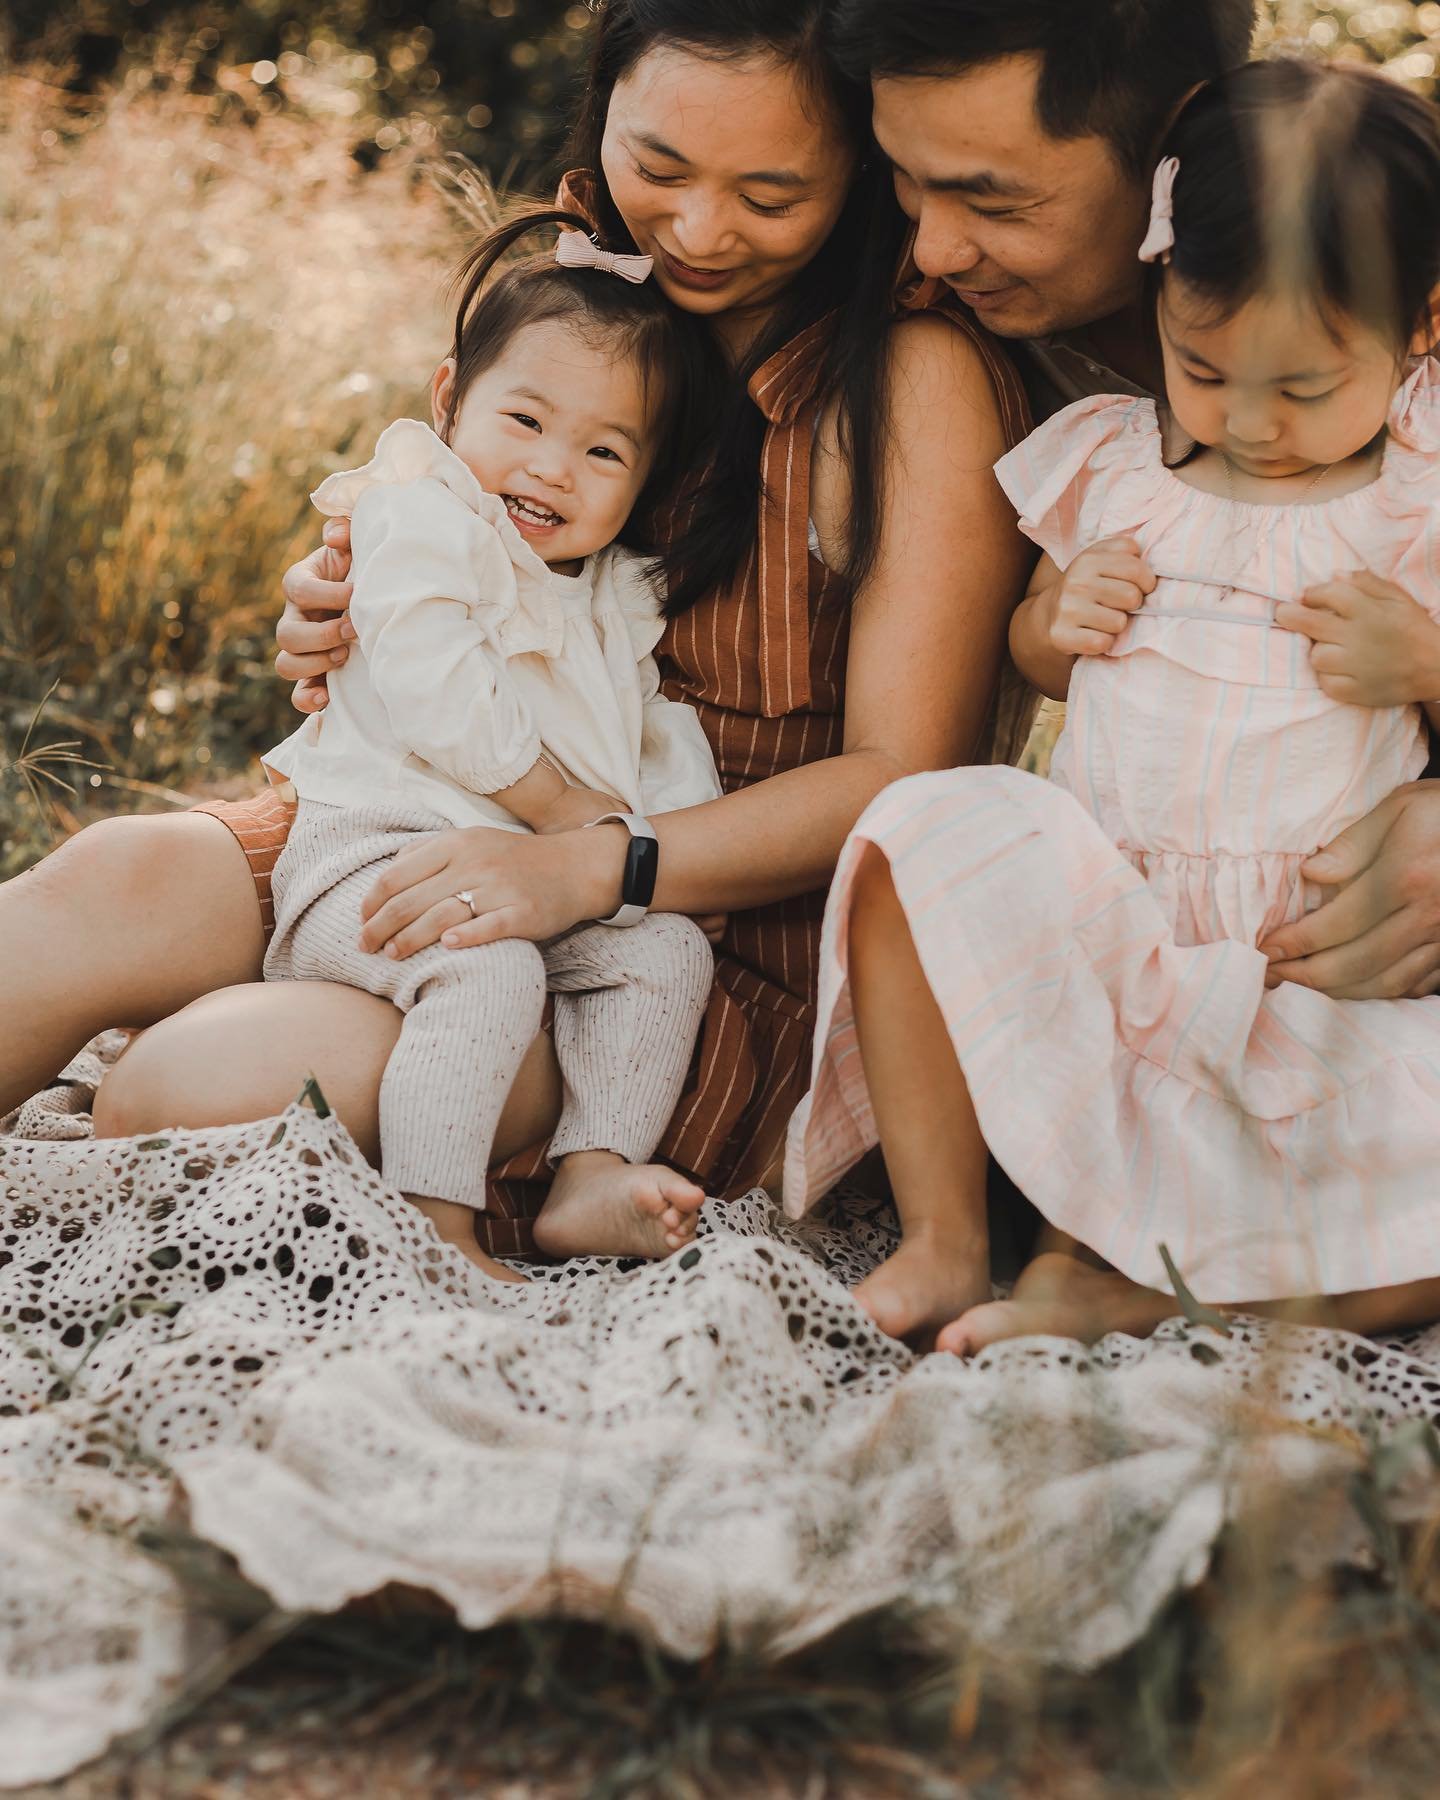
column 560, row 429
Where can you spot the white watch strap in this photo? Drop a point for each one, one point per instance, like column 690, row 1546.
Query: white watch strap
column 638, row 827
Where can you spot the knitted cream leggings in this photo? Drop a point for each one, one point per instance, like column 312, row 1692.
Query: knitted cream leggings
column 628, row 1007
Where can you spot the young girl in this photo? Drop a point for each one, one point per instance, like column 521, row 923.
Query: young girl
column 1245, row 638
column 504, row 678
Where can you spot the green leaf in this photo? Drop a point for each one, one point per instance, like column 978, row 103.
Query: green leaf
column 1189, row 1305
column 312, row 1096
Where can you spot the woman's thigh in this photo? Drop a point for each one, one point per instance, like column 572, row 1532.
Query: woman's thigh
column 127, row 922
column 244, row 1053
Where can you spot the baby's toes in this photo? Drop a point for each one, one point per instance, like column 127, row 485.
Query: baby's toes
column 649, row 1200
column 683, row 1196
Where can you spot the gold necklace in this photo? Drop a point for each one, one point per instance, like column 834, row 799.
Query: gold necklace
column 1313, row 482
column 1230, row 586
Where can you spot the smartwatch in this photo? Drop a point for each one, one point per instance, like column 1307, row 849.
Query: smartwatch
column 642, row 866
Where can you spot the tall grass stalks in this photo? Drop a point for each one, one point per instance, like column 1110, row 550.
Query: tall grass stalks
column 197, row 323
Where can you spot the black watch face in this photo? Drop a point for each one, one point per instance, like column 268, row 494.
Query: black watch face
column 642, row 866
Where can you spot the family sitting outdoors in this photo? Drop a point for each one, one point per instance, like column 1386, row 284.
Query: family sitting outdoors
column 705, row 597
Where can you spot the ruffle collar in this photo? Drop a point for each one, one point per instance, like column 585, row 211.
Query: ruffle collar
column 408, row 450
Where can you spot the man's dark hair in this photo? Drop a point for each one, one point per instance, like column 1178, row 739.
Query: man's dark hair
column 1113, row 69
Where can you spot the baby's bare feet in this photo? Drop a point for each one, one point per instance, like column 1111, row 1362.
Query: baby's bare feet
column 600, row 1205
column 931, row 1278
column 456, row 1225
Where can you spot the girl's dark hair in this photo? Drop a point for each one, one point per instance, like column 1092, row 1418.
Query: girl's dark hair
column 852, row 276
column 677, row 358
column 1323, row 181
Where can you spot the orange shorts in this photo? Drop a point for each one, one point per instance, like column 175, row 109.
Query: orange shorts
column 261, row 825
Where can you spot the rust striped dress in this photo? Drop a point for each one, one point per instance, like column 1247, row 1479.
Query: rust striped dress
column 763, row 664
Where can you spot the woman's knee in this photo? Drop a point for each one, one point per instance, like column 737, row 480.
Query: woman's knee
column 165, row 904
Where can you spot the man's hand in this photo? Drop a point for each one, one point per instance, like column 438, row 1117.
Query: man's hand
column 1096, row 596
column 1370, row 643
column 315, row 633
column 1378, row 937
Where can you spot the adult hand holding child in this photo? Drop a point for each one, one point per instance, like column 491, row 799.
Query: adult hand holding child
column 315, row 632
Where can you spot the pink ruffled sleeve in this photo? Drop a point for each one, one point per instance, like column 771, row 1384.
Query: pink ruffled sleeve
column 1407, row 496
column 1065, row 475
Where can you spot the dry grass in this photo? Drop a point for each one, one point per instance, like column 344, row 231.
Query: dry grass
column 197, row 323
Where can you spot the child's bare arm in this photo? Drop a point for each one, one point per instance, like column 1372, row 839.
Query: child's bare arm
column 1078, row 613
column 545, row 801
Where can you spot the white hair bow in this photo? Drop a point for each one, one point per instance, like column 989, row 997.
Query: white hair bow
column 576, row 251
column 1160, row 237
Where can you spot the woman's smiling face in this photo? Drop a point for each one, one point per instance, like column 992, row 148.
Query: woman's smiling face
column 731, row 174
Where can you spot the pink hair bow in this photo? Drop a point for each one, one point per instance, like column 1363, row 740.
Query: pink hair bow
column 1160, row 237
column 576, row 251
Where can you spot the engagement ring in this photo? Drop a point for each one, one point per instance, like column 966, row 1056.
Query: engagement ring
column 469, row 900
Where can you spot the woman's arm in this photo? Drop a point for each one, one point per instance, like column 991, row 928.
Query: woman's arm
column 927, row 635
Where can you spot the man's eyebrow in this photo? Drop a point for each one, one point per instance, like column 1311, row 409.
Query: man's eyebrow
column 986, row 185
column 786, row 178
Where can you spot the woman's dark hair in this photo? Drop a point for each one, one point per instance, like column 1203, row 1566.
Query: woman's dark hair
column 1322, row 181
column 677, row 358
column 851, row 277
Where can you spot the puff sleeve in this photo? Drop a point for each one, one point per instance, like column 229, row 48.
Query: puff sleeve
column 1066, row 477
column 677, row 768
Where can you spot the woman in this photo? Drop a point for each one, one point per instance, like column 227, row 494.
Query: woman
column 840, row 592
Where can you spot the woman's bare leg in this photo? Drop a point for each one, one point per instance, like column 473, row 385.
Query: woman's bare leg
column 245, row 1052
column 934, row 1152
column 129, row 921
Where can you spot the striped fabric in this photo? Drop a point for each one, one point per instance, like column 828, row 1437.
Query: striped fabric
column 261, row 823
column 1091, row 940
column 763, row 664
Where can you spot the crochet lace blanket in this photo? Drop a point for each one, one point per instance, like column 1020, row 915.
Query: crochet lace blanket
column 244, row 1330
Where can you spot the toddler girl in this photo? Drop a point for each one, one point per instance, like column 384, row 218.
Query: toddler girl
column 1245, row 635
column 504, row 678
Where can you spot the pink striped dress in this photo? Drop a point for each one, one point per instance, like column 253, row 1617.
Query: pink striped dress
column 1091, row 939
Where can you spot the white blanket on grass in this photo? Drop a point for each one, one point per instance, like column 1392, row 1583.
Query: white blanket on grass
column 244, row 1331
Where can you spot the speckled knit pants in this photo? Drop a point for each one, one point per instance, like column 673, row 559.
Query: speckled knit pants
column 628, row 1007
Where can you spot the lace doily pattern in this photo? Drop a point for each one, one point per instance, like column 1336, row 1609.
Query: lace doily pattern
column 245, row 1329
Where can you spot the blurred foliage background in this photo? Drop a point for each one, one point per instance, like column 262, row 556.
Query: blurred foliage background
column 227, row 231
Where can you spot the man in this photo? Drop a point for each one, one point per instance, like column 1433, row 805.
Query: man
column 1023, row 136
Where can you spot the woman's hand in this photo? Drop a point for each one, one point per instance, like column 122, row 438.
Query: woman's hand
column 315, row 633
column 1096, row 596
column 524, row 886
column 1379, row 936
column 1370, row 643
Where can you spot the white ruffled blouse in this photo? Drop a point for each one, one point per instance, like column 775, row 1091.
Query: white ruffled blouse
column 472, row 657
